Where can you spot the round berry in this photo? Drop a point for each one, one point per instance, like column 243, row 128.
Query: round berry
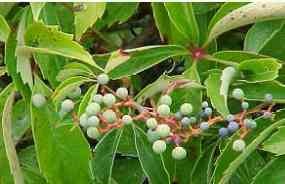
column 163, row 110
column 223, row 132
column 103, row 79
column 163, row 130
column 238, row 93
column 67, row 105
column 98, row 98
column 151, row 123
column 38, row 100
column 127, row 119
column 186, row 108
column 208, row 111
column 152, row 135
column 165, row 99
column 230, row 117
column 93, row 133
column 205, row 104
column 93, row 121
column 109, row 99
column 267, row 115
column 178, row 153
column 268, row 98
column 185, row 121
column 178, row 115
column 250, row 124
column 75, row 92
column 122, row 92
column 110, row 116
column 238, row 145
column 83, row 120
column 244, row 105
column 193, row 120
column 233, row 126
column 93, row 109
column 159, row 146
column 204, row 126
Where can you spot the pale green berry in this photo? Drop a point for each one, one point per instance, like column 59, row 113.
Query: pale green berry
column 186, row 108
column 179, row 153
column 268, row 98
column 152, row 135
column 93, row 121
column 151, row 123
column 163, row 110
column 204, row 126
column 67, row 105
column 163, row 130
column 109, row 99
column 185, row 121
column 38, row 100
column 127, row 119
column 238, row 145
column 75, row 92
column 83, row 120
column 122, row 92
column 250, row 124
column 110, row 116
column 159, row 146
column 244, row 105
column 93, row 109
column 238, row 93
column 103, row 79
column 165, row 99
column 205, row 104
column 93, row 133
column 98, row 98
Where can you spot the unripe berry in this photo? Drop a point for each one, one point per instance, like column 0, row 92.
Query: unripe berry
column 233, row 126
column 93, row 121
column 186, row 108
column 205, row 104
column 185, row 121
column 179, row 153
column 122, row 92
column 110, row 116
column 98, row 99
column 208, row 111
column 238, row 93
column 204, row 126
column 75, row 92
column 163, row 130
column 127, row 119
column 67, row 105
column 109, row 99
column 238, row 145
column 152, row 135
column 178, row 115
column 223, row 132
column 165, row 99
column 230, row 117
column 163, row 110
column 268, row 98
column 267, row 115
column 83, row 120
column 103, row 79
column 250, row 124
column 151, row 123
column 93, row 109
column 38, row 100
column 93, row 133
column 159, row 146
column 193, row 120
column 244, row 105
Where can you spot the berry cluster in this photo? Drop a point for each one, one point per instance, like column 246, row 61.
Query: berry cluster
column 105, row 112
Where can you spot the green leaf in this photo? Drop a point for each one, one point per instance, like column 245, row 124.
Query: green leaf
column 151, row 163
column 4, row 29
column 260, row 70
column 5, row 8
column 36, row 9
column 275, row 144
column 183, row 18
column 273, row 172
column 9, row 142
column 130, row 63
column 87, row 17
column 58, row 146
column 213, row 85
column 104, row 155
column 73, row 70
column 48, row 40
column 127, row 145
column 257, row 91
column 226, row 78
column 87, row 99
column 245, row 15
column 2, row 71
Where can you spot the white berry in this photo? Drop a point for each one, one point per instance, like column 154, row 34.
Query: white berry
column 186, row 108
column 103, row 79
column 75, row 92
column 122, row 92
column 67, row 105
column 165, row 99
column 151, row 123
column 163, row 130
column 163, row 110
column 238, row 145
column 93, row 109
column 93, row 133
column 159, row 146
column 98, row 98
column 109, row 99
column 127, row 119
column 38, row 100
column 93, row 121
column 110, row 116
column 83, row 120
column 179, row 153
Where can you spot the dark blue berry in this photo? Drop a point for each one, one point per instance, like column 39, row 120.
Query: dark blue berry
column 233, row 126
